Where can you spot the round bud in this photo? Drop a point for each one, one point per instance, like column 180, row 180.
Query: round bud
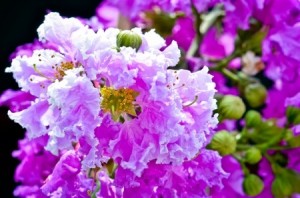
column 253, row 155
column 255, row 94
column 281, row 187
column 223, row 142
column 252, row 185
column 231, row 107
column 128, row 38
column 253, row 118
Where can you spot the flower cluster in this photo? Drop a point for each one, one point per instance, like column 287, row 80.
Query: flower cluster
column 136, row 113
column 106, row 110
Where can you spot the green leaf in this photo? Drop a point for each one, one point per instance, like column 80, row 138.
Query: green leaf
column 254, row 43
column 162, row 22
column 294, row 142
column 280, row 159
column 251, row 39
column 293, row 115
column 208, row 20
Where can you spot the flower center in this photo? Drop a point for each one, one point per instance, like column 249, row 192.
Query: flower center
column 62, row 68
column 118, row 101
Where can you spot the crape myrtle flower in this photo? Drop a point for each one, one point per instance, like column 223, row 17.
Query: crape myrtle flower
column 144, row 77
column 112, row 100
column 278, row 51
column 154, row 87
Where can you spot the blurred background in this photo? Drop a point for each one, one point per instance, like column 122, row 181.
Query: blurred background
column 19, row 20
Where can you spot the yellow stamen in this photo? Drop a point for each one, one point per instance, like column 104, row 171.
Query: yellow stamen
column 62, row 68
column 118, row 101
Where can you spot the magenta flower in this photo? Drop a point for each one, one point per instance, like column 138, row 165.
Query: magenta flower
column 36, row 164
column 98, row 101
column 16, row 100
column 279, row 48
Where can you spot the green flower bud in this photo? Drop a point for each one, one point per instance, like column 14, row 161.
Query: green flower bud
column 253, row 155
column 128, row 38
column 253, row 185
column 253, row 118
column 255, row 94
column 281, row 187
column 223, row 142
column 231, row 107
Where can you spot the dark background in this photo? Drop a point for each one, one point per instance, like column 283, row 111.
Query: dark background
column 19, row 20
